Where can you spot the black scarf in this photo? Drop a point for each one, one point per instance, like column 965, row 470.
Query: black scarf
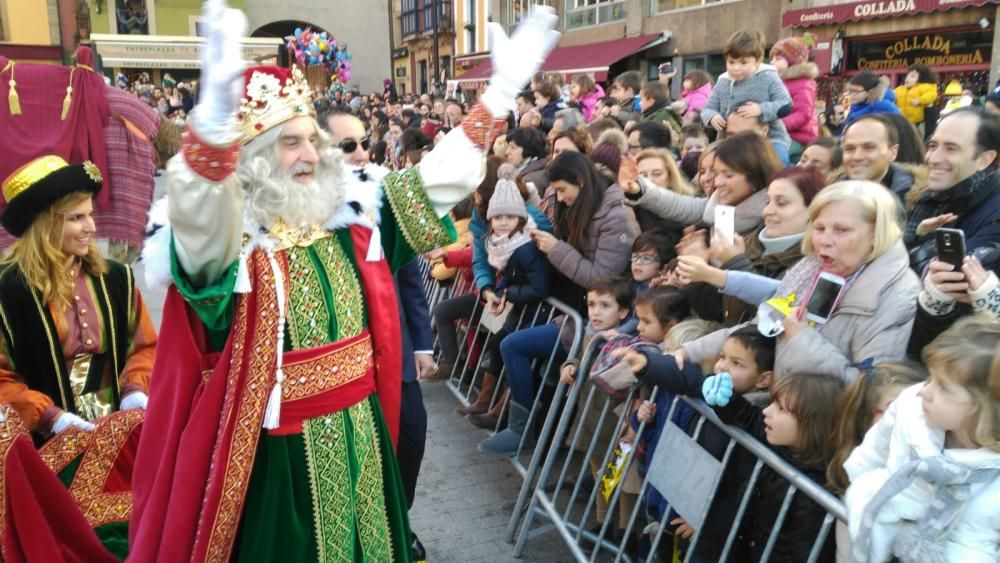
column 961, row 198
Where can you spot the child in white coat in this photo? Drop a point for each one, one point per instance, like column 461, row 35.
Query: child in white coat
column 925, row 483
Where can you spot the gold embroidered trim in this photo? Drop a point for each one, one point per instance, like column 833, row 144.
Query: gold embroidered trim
column 248, row 418
column 100, row 451
column 309, row 314
column 369, row 492
column 63, row 448
column 11, row 429
column 336, row 368
column 348, row 303
column 67, row 400
column 414, row 212
column 330, row 483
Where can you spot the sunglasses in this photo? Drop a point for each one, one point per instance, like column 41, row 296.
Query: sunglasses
column 350, row 145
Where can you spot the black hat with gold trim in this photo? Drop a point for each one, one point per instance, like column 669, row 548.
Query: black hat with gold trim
column 32, row 188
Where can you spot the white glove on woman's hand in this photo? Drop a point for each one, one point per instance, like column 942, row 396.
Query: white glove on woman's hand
column 517, row 57
column 137, row 400
column 67, row 420
column 221, row 86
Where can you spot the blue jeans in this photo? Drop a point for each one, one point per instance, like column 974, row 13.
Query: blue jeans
column 518, row 349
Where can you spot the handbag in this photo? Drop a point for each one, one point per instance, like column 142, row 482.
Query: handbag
column 615, row 380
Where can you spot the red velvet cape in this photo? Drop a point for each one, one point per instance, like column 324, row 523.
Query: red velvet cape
column 205, row 413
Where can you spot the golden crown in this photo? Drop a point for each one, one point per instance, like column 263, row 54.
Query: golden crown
column 270, row 99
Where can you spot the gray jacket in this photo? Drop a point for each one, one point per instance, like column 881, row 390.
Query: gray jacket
column 689, row 210
column 764, row 87
column 609, row 238
column 873, row 320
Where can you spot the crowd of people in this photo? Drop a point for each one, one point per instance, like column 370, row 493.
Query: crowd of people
column 172, row 100
column 610, row 203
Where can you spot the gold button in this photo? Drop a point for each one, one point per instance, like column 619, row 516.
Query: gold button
column 85, row 325
column 76, row 297
column 90, row 342
column 83, row 311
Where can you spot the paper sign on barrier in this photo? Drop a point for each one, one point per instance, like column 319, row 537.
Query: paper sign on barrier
column 685, row 474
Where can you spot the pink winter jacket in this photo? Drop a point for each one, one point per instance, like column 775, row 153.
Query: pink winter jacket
column 589, row 103
column 802, row 123
column 696, row 98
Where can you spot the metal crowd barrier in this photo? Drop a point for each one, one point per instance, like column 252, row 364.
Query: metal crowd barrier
column 562, row 501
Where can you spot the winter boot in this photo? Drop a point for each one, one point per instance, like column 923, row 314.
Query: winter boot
column 505, row 442
column 482, row 403
column 489, row 420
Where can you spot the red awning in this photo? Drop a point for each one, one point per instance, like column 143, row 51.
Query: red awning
column 592, row 58
column 871, row 10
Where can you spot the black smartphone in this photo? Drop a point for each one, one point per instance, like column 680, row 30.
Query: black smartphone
column 951, row 247
column 666, row 68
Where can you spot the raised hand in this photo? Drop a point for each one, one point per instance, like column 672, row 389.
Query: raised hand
column 221, row 73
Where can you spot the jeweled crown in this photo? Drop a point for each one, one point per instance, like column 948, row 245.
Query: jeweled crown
column 272, row 96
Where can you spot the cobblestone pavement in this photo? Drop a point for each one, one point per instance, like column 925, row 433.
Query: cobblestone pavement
column 464, row 500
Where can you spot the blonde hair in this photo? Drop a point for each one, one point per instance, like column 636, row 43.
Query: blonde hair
column 856, row 413
column 675, row 182
column 968, row 353
column 688, row 331
column 879, row 208
column 38, row 252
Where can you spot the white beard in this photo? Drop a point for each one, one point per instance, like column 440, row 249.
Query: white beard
column 280, row 198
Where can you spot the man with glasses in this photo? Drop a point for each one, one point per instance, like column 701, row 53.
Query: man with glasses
column 348, row 134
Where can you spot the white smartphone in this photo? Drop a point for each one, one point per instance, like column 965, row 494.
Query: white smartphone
column 725, row 222
column 824, row 296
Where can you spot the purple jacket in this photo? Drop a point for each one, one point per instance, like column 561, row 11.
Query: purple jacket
column 802, row 123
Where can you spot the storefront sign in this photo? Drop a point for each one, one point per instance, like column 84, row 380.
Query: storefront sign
column 400, row 53
column 131, row 51
column 929, row 49
column 871, row 9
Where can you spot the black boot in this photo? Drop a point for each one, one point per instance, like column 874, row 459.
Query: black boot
column 417, row 548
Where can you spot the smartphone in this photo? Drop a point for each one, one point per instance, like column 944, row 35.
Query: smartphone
column 666, row 68
column 951, row 247
column 823, row 298
column 725, row 222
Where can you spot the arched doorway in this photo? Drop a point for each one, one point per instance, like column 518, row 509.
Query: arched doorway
column 282, row 29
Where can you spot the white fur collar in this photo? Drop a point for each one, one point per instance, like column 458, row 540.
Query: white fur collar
column 362, row 206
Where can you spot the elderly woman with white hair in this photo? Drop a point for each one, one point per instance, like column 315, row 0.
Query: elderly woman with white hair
column 854, row 235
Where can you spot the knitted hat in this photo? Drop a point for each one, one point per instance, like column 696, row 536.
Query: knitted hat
column 506, row 198
column 607, row 154
column 792, row 49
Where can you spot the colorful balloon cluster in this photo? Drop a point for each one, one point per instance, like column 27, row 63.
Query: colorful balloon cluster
column 310, row 48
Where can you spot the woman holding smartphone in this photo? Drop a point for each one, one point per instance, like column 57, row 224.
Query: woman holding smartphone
column 772, row 249
column 854, row 236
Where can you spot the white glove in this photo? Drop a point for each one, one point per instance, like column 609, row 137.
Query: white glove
column 68, row 420
column 517, row 57
column 221, row 86
column 137, row 400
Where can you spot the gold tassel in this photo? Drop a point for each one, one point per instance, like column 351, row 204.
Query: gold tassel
column 67, row 101
column 13, row 101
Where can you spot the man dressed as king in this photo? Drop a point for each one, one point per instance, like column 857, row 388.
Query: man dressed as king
column 274, row 403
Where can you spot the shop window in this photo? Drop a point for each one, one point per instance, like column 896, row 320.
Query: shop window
column 417, row 16
column 520, row 9
column 585, row 13
column 133, row 17
column 670, row 5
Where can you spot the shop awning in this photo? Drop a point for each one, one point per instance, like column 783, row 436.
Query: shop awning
column 871, row 10
column 592, row 58
column 173, row 52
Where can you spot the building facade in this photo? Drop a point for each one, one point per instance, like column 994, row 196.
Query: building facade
column 425, row 33
column 956, row 38
column 29, row 31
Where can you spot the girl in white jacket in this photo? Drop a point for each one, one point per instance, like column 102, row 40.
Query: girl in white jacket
column 925, row 483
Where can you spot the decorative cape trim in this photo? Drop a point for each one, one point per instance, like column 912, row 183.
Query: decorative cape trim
column 414, row 211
